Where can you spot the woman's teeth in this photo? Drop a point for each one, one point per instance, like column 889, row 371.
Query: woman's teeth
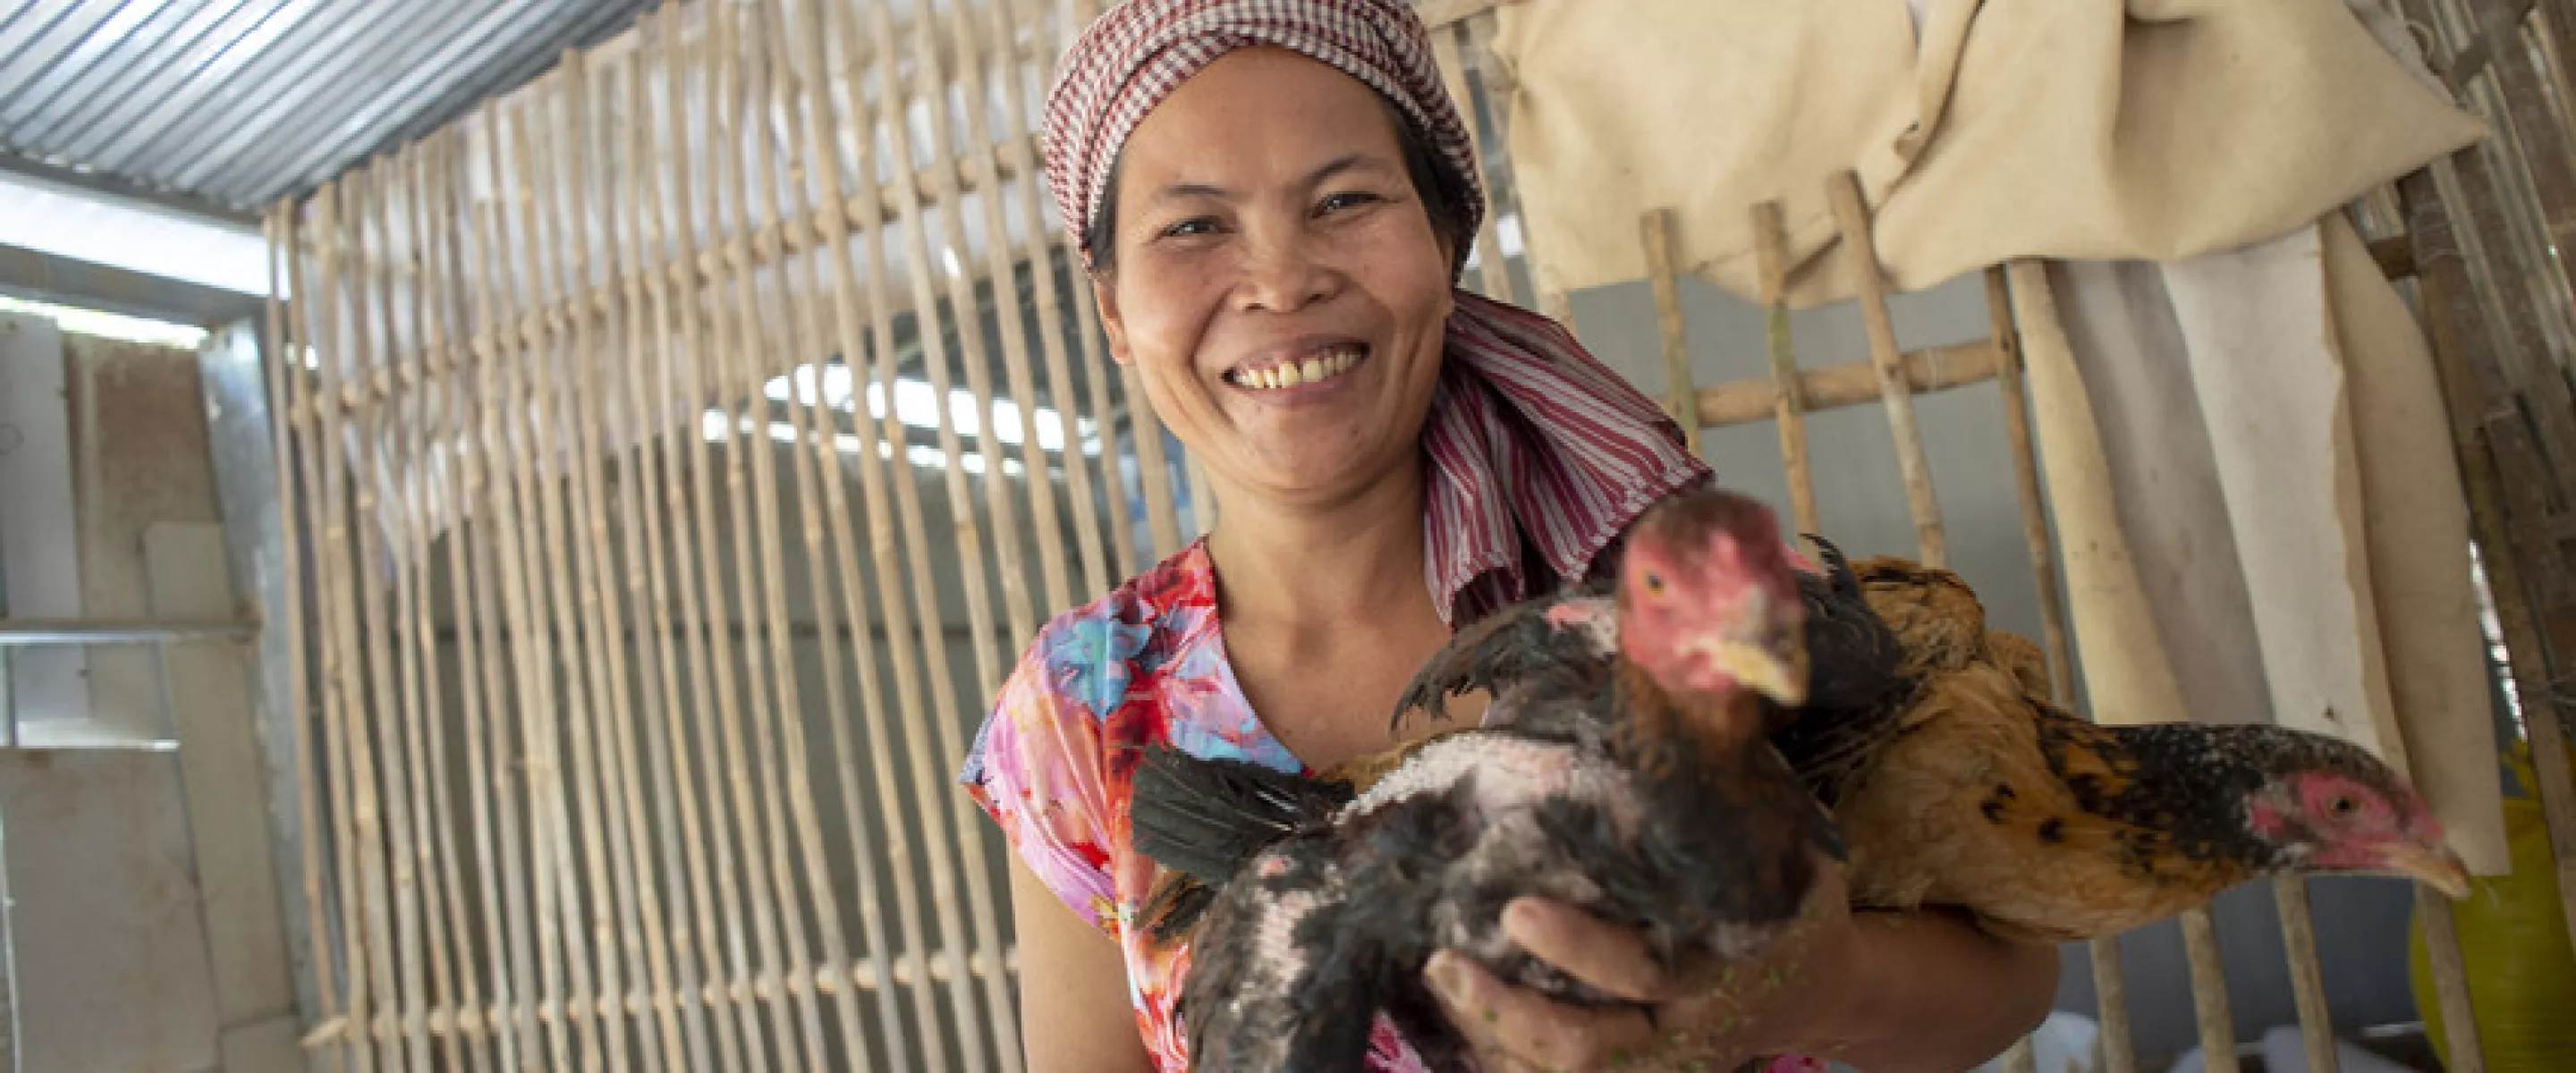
column 1294, row 374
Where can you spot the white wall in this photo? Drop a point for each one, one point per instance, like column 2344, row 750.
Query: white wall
column 146, row 918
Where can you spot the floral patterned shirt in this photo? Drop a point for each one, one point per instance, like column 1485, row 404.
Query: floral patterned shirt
column 1055, row 761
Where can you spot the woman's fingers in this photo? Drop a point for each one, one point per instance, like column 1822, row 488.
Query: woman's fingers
column 1611, row 958
column 1534, row 1032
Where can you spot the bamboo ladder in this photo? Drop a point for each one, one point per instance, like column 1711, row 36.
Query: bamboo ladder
column 2022, row 314
column 2493, row 344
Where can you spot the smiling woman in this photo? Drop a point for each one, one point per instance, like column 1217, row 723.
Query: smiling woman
column 1275, row 199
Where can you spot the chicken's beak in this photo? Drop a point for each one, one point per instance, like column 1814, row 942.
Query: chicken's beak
column 2434, row 866
column 1777, row 671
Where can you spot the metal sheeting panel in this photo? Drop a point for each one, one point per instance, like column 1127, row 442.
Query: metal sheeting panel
column 237, row 103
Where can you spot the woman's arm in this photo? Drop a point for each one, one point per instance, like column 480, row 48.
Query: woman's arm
column 1074, row 1016
column 1929, row 993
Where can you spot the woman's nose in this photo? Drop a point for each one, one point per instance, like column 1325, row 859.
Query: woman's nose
column 1283, row 275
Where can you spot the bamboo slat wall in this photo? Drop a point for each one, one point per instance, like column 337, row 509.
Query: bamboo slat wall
column 684, row 445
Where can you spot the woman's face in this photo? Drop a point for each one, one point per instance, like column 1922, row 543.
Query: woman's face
column 1276, row 280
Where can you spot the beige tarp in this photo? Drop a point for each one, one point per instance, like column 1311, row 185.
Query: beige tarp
column 2241, row 432
column 2036, row 128
column 2294, row 539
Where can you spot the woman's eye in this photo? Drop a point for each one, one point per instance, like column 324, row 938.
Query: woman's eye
column 1349, row 200
column 1189, row 228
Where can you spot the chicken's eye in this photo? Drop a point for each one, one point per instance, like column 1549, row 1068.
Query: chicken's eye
column 1655, row 584
column 2342, row 805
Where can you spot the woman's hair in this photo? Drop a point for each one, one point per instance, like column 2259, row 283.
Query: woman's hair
column 1440, row 192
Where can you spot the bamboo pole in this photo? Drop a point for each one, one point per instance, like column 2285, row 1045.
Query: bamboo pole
column 2017, row 298
column 674, row 814
column 349, row 669
column 1852, row 215
column 738, row 375
column 2307, row 973
column 436, row 223
column 2521, row 359
column 862, row 978
column 410, row 473
column 999, row 24
column 318, row 312
column 1655, row 226
column 639, row 905
column 968, row 834
column 985, row 172
column 1097, row 373
column 875, row 442
column 1153, row 465
column 2110, row 983
column 823, row 501
column 393, row 675
column 2501, row 554
column 1756, row 399
column 527, row 931
column 555, row 444
column 2498, row 472
column 835, row 956
column 596, row 299
column 375, row 628
column 564, row 253
column 2021, row 1058
column 284, row 350
column 711, row 677
column 2209, row 991
column 976, row 360
column 561, row 961
column 2539, row 135
column 469, row 591
column 1788, row 394
column 2034, row 508
column 2466, row 1053
column 1452, row 61
column 1104, row 416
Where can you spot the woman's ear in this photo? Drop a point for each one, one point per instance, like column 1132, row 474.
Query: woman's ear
column 1104, row 294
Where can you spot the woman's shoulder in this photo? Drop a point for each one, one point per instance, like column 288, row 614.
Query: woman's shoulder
column 1146, row 619
column 1076, row 680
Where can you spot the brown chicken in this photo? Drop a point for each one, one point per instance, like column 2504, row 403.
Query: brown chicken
column 1957, row 782
column 1984, row 795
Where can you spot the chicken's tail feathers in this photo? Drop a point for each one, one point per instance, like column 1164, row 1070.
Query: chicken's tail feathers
column 1174, row 905
column 1204, row 818
column 1836, row 566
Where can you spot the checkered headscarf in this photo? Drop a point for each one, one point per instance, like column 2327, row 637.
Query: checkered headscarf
column 1134, row 55
column 1532, row 445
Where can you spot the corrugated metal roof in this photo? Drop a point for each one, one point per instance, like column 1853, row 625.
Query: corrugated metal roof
column 236, row 103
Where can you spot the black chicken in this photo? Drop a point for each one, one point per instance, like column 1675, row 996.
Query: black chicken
column 1201, row 819
column 1640, row 788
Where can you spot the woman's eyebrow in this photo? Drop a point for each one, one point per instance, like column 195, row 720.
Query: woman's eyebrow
column 1187, row 191
column 1338, row 165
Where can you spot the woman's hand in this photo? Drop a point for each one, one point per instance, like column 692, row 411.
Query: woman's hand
column 1786, row 999
column 1889, row 992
